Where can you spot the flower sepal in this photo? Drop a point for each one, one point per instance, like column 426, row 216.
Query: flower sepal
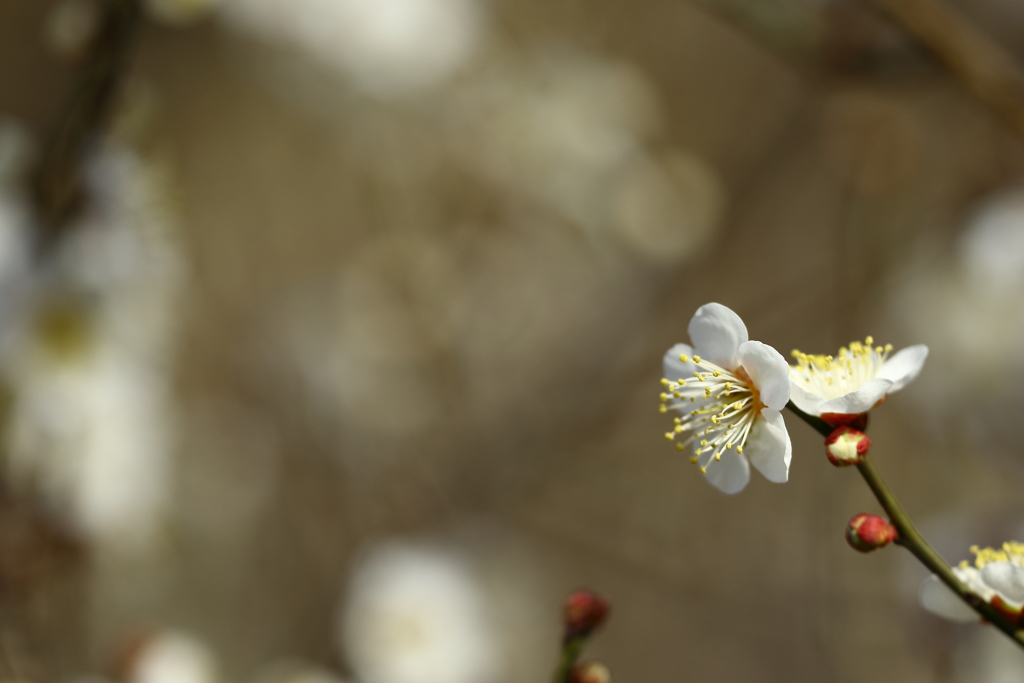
column 858, row 421
column 1014, row 614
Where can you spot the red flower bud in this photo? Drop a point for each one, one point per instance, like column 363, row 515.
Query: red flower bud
column 590, row 672
column 846, row 446
column 584, row 612
column 869, row 532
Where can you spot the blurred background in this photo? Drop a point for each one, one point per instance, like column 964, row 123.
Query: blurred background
column 331, row 332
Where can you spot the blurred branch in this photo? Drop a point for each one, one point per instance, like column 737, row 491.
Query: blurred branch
column 981, row 65
column 57, row 184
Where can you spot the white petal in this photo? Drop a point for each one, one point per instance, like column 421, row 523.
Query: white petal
column 860, row 401
column 769, row 371
column 674, row 369
column 1007, row 579
column 904, row 367
column 938, row 599
column 716, row 333
column 768, row 447
column 728, row 475
column 805, row 400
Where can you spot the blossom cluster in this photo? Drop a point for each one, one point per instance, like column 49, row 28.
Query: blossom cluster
column 728, row 392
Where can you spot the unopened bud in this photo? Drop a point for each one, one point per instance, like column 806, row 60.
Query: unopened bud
column 869, row 532
column 846, row 446
column 584, row 612
column 590, row 672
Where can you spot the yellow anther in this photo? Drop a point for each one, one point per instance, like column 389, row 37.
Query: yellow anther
column 664, row 382
column 679, row 446
column 718, row 456
column 739, row 449
column 728, row 446
column 696, row 359
column 716, row 373
column 869, row 340
column 679, row 429
column 663, row 396
column 728, row 386
column 704, row 469
column 677, row 420
column 677, row 394
column 663, row 408
column 703, row 442
column 888, row 348
column 694, row 459
column 683, row 357
column 670, row 435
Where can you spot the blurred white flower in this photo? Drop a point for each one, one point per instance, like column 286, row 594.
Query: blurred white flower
column 853, row 381
column 730, row 394
column 173, row 657
column 388, row 47
column 415, row 614
column 996, row 577
column 968, row 304
column 90, row 420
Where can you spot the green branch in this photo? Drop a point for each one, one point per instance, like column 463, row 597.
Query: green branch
column 571, row 649
column 911, row 539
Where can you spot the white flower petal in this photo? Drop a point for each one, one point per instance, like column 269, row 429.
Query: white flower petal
column 768, row 447
column 1007, row 579
column 716, row 333
column 805, row 400
column 939, row 599
column 768, row 370
column 860, row 401
column 730, row 474
column 674, row 369
column 904, row 367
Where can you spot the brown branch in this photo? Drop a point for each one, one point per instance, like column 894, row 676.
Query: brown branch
column 57, row 184
column 981, row 66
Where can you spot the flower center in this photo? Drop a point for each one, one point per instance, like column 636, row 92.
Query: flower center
column 835, row 376
column 719, row 407
column 1011, row 551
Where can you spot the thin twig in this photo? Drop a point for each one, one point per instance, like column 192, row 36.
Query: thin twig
column 911, row 539
column 58, row 187
column 571, row 649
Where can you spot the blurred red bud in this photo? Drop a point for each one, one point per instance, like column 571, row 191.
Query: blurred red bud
column 584, row 612
column 869, row 532
column 590, row 672
column 846, row 446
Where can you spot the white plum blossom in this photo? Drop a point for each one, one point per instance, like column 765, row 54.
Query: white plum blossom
column 855, row 380
column 730, row 391
column 418, row 614
column 174, row 657
column 996, row 577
